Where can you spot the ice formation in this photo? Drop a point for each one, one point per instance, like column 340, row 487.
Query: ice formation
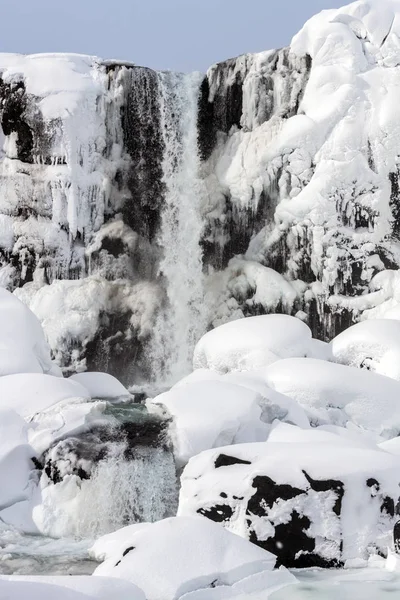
column 141, row 213
column 268, row 185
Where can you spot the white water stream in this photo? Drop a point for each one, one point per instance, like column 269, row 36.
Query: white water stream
column 181, row 322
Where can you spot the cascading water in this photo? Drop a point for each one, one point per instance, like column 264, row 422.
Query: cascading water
column 115, row 475
column 182, row 320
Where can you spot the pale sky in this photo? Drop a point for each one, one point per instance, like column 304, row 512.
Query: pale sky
column 182, row 35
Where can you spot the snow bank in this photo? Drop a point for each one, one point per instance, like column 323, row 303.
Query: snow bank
column 372, row 344
column 15, row 459
column 30, row 393
column 252, row 343
column 23, row 347
column 338, row 394
column 102, row 385
column 208, row 414
column 67, row 588
column 311, row 497
column 217, row 558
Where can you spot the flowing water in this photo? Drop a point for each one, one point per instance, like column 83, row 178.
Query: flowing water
column 182, row 320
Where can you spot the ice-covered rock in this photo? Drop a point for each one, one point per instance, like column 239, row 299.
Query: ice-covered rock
column 252, row 343
column 339, row 394
column 102, row 385
column 217, row 558
column 311, row 497
column 373, row 344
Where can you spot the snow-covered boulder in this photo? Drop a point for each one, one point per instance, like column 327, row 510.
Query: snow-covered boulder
column 23, row 347
column 372, row 344
column 311, row 497
column 209, row 414
column 29, row 393
column 16, row 455
column 252, row 343
column 102, row 385
column 338, row 394
column 181, row 555
column 67, row 588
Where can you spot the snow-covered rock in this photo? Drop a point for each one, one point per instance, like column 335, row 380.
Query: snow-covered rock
column 373, row 344
column 339, row 394
column 311, row 497
column 252, row 343
column 211, row 413
column 30, row 393
column 216, row 558
column 102, row 385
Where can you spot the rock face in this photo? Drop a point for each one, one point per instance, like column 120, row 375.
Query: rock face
column 269, row 185
column 310, row 502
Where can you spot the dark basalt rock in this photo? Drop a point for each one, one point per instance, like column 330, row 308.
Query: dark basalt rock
column 223, row 460
column 267, row 493
column 140, row 119
column 396, row 537
column 217, row 513
column 326, row 485
column 292, row 546
column 14, row 119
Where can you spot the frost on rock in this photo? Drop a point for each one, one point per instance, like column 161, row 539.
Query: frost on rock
column 302, row 162
column 313, row 499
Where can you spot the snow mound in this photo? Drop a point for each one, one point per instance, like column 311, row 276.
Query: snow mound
column 252, row 343
column 67, row 588
column 30, row 393
column 372, row 344
column 216, row 557
column 338, row 394
column 101, row 385
column 15, row 459
column 208, row 414
column 311, row 497
column 23, row 347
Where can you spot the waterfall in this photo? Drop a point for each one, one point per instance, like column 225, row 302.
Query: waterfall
column 121, row 492
column 182, row 320
column 119, row 473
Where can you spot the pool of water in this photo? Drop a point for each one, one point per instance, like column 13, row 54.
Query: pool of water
column 352, row 584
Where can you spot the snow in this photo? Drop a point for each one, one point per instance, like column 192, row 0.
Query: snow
column 101, row 385
column 372, row 344
column 216, row 558
column 30, row 393
column 208, row 414
column 290, row 457
column 15, row 459
column 252, row 343
column 67, row 588
column 23, row 347
column 339, row 394
column 70, row 311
